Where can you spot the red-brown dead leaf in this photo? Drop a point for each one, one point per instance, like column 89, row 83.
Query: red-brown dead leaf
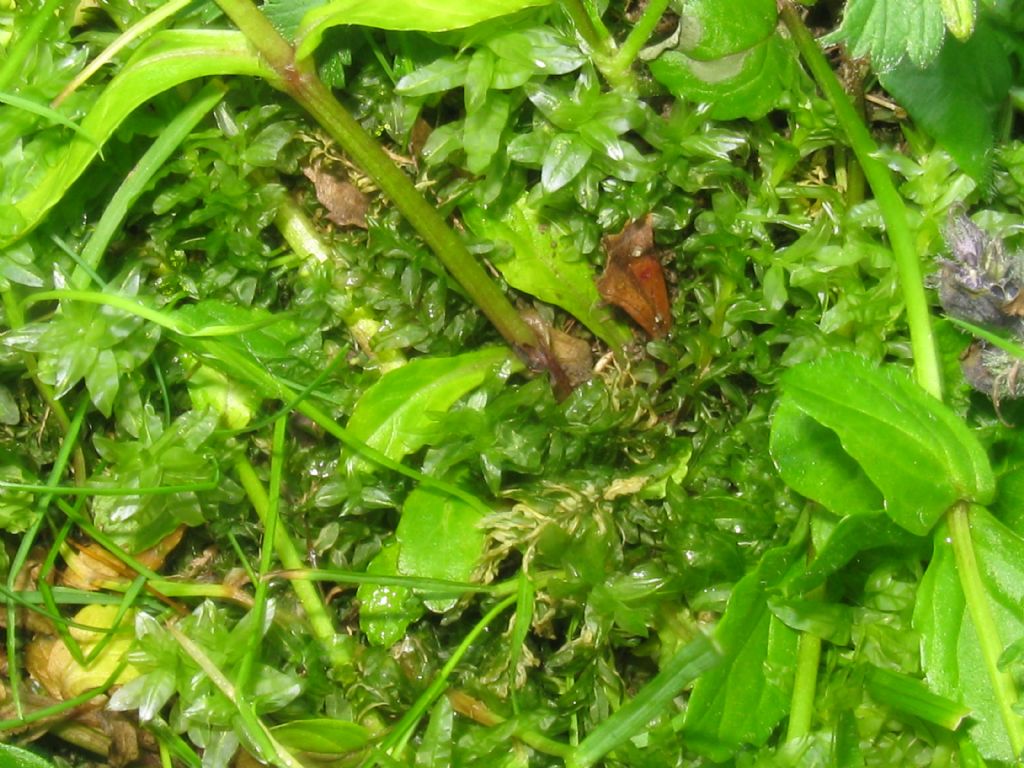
column 633, row 279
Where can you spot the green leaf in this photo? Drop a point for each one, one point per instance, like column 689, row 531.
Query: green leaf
column 398, row 414
column 889, row 31
column 951, row 655
column 167, row 59
column 439, row 538
column 482, row 135
column 421, row 15
column 811, row 459
column 747, row 84
column 322, row 735
column 386, row 611
column 546, row 264
column 958, row 97
column 436, row 77
column 917, row 452
column 740, row 701
column 566, row 156
column 712, row 29
column 16, row 757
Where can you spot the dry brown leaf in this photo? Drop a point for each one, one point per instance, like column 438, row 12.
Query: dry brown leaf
column 633, row 279
column 346, row 205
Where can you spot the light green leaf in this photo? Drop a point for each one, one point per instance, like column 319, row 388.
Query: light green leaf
column 397, row 415
column 888, row 31
column 439, row 538
column 812, row 461
column 484, row 127
column 951, row 654
column 167, row 59
column 323, row 735
column 545, row 265
column 439, row 75
column 916, row 451
column 419, row 15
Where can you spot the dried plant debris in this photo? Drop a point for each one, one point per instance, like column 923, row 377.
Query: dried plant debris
column 346, row 205
column 981, row 283
column 633, row 279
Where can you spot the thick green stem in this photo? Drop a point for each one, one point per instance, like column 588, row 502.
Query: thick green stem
column 638, row 36
column 302, row 84
column 894, row 212
column 985, row 626
column 801, row 710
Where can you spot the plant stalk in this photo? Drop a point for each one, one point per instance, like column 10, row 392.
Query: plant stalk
column 926, row 360
column 301, row 83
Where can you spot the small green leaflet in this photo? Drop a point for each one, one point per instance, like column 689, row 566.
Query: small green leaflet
column 16, row 757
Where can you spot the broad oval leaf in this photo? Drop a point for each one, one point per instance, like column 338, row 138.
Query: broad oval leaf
column 746, row 84
column 397, row 414
column 916, row 451
column 438, row 538
column 711, row 29
column 406, row 15
column 812, row 462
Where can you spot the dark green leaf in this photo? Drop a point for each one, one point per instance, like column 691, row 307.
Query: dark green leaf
column 746, row 84
column 385, row 611
column 566, row 156
column 712, row 30
column 958, row 97
column 740, row 701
